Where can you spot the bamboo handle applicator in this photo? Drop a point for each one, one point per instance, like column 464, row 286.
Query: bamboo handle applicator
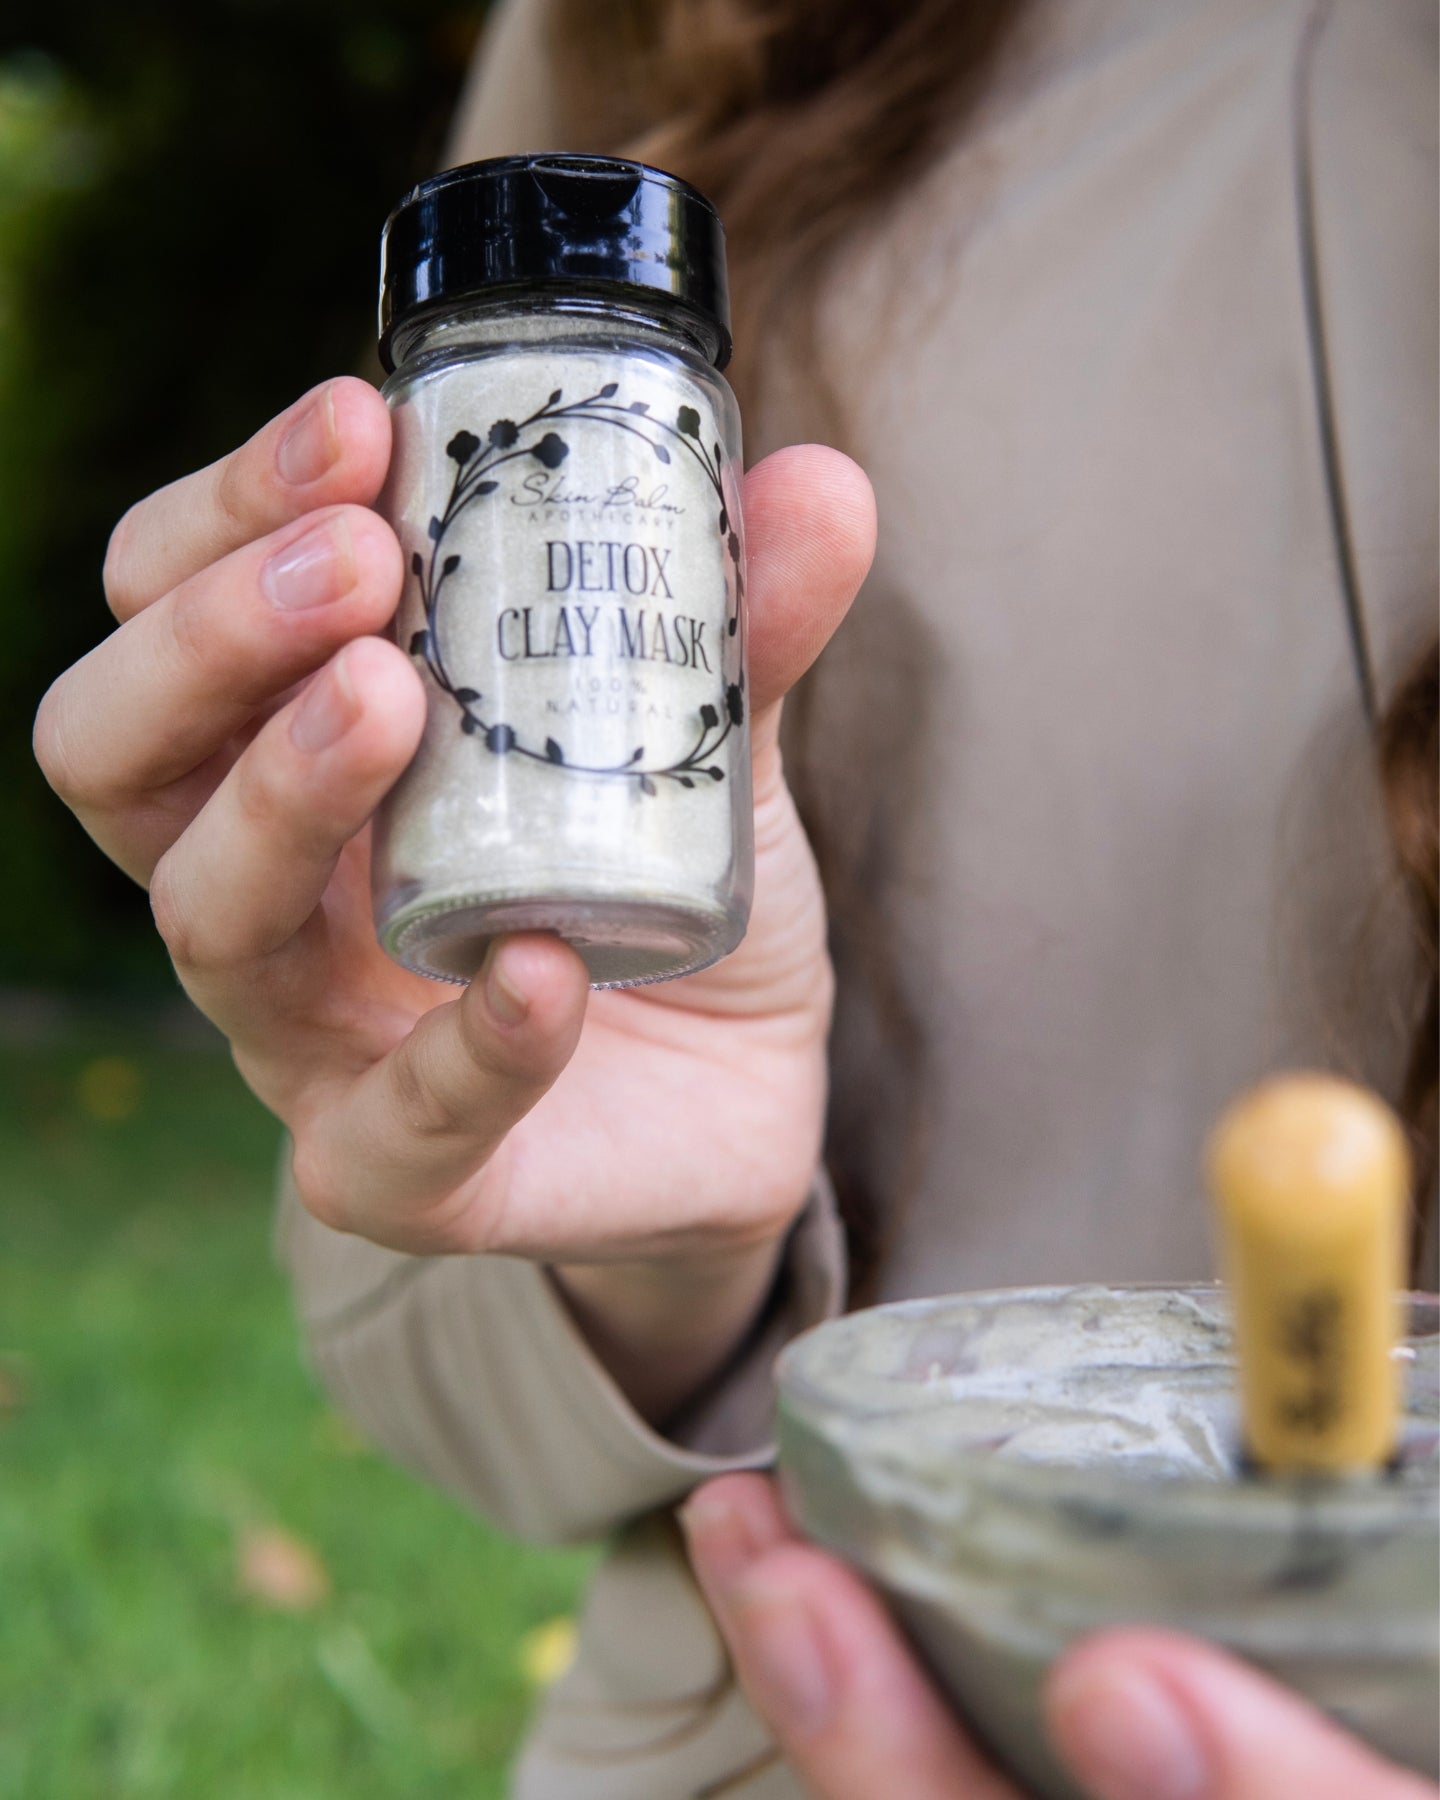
column 1310, row 1177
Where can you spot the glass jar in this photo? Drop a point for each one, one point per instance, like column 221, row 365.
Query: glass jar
column 564, row 484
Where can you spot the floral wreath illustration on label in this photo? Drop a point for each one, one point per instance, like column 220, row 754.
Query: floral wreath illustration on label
column 476, row 462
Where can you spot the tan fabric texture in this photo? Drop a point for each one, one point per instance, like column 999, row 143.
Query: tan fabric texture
column 1098, row 726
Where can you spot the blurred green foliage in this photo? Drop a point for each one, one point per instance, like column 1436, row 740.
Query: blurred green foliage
column 190, row 206
column 156, row 1427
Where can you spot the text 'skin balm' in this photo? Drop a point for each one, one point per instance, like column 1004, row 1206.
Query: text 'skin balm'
column 565, row 487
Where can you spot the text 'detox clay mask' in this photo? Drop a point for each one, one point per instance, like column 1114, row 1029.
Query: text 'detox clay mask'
column 564, row 484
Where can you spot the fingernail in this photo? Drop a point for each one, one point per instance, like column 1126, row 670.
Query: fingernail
column 1126, row 1737
column 785, row 1659
column 327, row 709
column 724, row 1538
column 309, row 448
column 505, row 1000
column 311, row 570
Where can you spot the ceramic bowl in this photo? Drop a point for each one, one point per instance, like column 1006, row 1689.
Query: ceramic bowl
column 1016, row 1469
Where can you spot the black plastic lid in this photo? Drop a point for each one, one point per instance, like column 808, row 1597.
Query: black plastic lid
column 566, row 224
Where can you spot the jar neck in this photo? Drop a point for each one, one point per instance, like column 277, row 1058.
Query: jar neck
column 532, row 317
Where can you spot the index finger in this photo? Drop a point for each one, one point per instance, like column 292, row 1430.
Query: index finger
column 331, row 446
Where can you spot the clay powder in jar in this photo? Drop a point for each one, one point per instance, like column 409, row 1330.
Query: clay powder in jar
column 565, row 487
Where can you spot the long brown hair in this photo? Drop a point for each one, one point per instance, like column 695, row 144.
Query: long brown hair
column 800, row 118
column 1409, row 749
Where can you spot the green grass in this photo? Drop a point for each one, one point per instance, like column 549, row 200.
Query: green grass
column 154, row 1411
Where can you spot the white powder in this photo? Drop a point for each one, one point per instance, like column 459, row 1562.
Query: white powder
column 565, row 496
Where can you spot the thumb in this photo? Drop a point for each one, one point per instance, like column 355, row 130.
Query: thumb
column 821, row 1660
column 810, row 538
column 1150, row 1715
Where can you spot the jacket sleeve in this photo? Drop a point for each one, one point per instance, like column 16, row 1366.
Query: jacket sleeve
column 470, row 1372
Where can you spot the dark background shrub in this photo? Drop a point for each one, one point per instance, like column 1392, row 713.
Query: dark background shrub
column 190, row 205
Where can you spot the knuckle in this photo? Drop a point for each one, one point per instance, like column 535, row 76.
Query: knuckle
column 167, row 908
column 259, row 801
column 203, row 939
column 193, row 641
column 417, row 1098
column 78, row 785
column 521, row 1063
column 120, row 574
column 49, row 744
column 233, row 495
column 313, row 1175
column 174, row 915
column 427, row 1097
column 272, row 811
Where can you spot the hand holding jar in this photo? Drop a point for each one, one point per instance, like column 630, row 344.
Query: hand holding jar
column 228, row 745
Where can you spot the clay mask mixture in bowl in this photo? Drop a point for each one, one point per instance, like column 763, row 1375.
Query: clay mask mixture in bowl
column 1017, row 1469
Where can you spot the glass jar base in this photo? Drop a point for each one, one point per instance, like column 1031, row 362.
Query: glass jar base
column 623, row 943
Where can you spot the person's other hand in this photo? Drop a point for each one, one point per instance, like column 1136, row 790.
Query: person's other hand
column 227, row 745
column 1136, row 1714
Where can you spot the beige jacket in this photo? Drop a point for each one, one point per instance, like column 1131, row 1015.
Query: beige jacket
column 1149, row 341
